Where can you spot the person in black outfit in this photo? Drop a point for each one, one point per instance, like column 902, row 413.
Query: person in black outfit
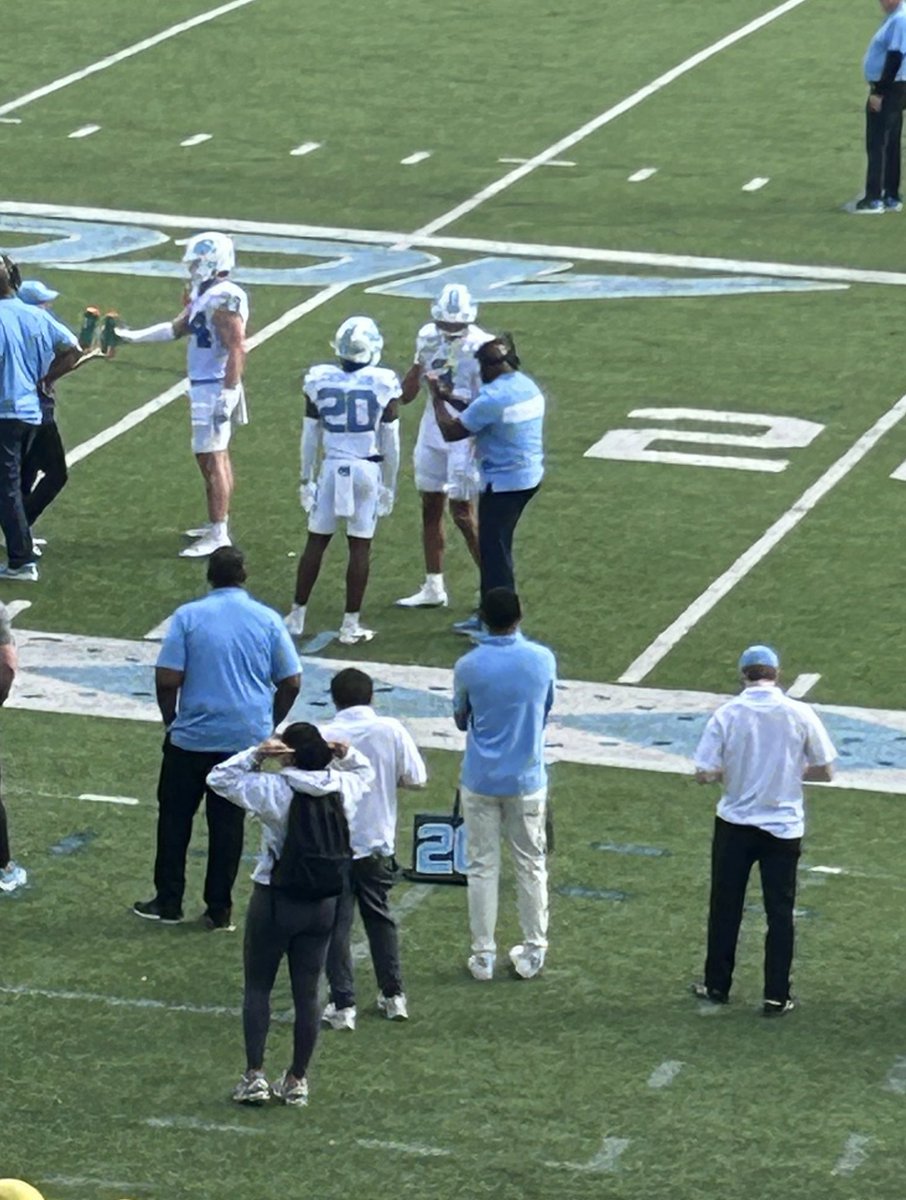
column 282, row 921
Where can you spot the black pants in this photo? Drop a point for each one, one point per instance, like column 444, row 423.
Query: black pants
column 5, row 854
column 734, row 851
column 370, row 882
column 48, row 455
column 16, row 438
column 498, row 516
column 179, row 793
column 882, row 144
column 278, row 925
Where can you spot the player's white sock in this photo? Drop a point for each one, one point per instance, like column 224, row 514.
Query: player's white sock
column 218, row 529
column 435, row 581
column 350, row 618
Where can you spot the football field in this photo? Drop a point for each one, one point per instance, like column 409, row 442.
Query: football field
column 650, row 197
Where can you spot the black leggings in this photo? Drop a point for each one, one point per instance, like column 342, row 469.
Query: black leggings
column 278, row 925
column 4, row 839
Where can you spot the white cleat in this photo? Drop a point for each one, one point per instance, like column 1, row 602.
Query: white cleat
column 338, row 1018
column 393, row 1007
column 350, row 633
column 527, row 960
column 481, row 966
column 205, row 546
column 429, row 595
column 295, row 620
column 12, row 877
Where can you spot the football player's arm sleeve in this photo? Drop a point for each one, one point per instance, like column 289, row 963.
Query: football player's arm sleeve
column 166, row 331
column 389, row 445
column 462, row 709
column 311, row 442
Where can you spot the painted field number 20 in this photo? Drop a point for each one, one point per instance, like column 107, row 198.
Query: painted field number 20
column 635, row 445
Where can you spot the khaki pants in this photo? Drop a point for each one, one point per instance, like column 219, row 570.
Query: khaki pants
column 521, row 821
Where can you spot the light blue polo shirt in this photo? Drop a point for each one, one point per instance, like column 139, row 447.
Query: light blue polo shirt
column 29, row 340
column 232, row 651
column 891, row 36
column 507, row 419
column 503, row 691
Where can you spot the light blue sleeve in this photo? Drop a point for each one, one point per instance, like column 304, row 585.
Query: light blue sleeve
column 284, row 659
column 461, row 707
column 173, row 648
column 483, row 411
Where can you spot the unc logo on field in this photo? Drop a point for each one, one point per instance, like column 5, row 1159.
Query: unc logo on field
column 99, row 247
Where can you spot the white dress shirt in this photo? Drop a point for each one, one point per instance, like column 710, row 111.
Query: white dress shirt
column 268, row 795
column 761, row 742
column 389, row 747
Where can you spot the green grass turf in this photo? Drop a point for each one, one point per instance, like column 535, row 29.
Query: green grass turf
column 509, row 1077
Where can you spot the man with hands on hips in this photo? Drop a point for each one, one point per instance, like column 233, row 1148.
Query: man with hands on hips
column 214, row 320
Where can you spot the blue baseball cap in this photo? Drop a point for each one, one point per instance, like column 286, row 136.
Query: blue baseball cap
column 33, row 291
column 759, row 656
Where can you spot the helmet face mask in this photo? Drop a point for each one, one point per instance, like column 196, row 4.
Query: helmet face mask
column 209, row 255
column 454, row 310
column 358, row 340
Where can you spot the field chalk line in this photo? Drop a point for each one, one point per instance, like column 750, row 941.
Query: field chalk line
column 120, row 55
column 664, row 1074
column 895, row 1079
column 645, row 663
column 201, row 1126
column 853, row 1156
column 572, row 139
column 606, row 1161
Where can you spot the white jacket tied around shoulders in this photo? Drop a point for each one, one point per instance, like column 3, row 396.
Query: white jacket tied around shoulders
column 268, row 795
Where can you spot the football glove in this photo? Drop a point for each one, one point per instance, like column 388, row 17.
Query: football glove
column 308, row 496
column 225, row 403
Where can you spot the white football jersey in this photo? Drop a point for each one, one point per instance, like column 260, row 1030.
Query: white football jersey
column 453, row 359
column 350, row 406
column 207, row 355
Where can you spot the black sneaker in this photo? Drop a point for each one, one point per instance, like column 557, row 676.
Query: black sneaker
column 152, row 911
column 702, row 992
column 868, row 206
column 222, row 922
column 778, row 1008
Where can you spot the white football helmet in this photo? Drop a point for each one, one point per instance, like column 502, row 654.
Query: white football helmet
column 455, row 306
column 209, row 255
column 358, row 340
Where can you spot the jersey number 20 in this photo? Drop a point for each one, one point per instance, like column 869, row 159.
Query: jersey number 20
column 354, row 411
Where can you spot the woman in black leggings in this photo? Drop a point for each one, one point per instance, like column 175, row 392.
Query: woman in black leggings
column 278, row 923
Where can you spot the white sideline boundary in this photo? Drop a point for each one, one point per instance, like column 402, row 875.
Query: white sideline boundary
column 604, row 118
column 385, row 237
column 129, row 52
column 645, row 663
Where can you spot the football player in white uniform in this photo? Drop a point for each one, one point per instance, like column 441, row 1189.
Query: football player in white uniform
column 445, row 471
column 214, row 320
column 351, row 417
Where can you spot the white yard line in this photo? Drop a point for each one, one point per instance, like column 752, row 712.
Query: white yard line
column 403, row 1148
column 664, row 1074
column 802, row 685
column 756, row 184
column 642, row 174
column 384, row 237
column 606, row 1161
column 551, row 162
column 604, row 118
column 138, row 415
column 196, row 139
column 853, row 1156
column 895, row 1079
column 120, row 55
column 305, row 148
column 129, row 801
column 411, row 159
column 645, row 663
column 195, row 1123
column 204, row 1010
column 84, row 131
column 92, row 1182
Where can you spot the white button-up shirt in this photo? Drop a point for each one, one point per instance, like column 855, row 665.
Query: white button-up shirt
column 268, row 795
column 761, row 742
column 396, row 761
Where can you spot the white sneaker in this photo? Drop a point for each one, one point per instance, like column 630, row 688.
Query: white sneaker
column 36, row 544
column 527, row 960
column 200, row 532
column 429, row 595
column 482, row 965
column 252, row 1088
column 352, row 632
column 12, row 877
column 206, row 545
column 27, row 573
column 393, row 1007
column 295, row 620
column 293, row 1094
column 338, row 1018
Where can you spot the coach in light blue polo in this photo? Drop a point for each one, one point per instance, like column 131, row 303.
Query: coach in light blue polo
column 506, row 419
column 503, row 691
column 884, row 67
column 226, row 676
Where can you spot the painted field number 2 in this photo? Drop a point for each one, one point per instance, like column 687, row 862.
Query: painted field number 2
column 635, row 445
